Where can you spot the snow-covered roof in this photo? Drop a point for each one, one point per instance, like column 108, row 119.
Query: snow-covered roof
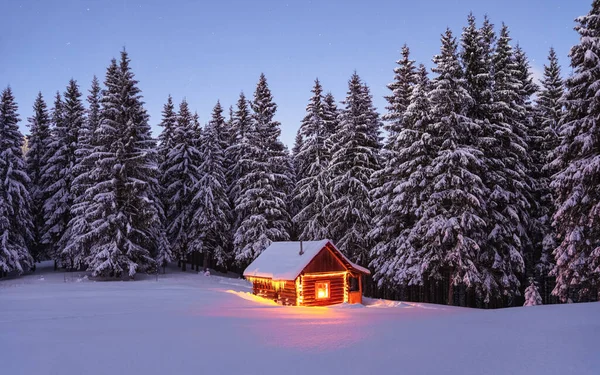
column 282, row 260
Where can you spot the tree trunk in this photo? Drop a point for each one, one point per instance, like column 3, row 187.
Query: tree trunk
column 205, row 262
column 426, row 290
column 450, row 292
column 183, row 265
column 55, row 265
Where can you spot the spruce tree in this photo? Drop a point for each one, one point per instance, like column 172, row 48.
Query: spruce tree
column 388, row 178
column 532, row 294
column 50, row 175
column 221, row 128
column 451, row 228
column 476, row 58
column 168, row 123
column 61, row 162
column 15, row 201
column 577, row 218
column 505, row 147
column 228, row 139
column 404, row 79
column 397, row 202
column 298, row 141
column 264, row 189
column 238, row 154
column 181, row 168
column 330, row 115
column 70, row 242
column 295, row 205
column 354, row 159
column 535, row 232
column 93, row 99
column 549, row 111
column 123, row 210
column 212, row 215
column 312, row 162
column 38, row 141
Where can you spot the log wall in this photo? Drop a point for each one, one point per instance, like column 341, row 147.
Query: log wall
column 337, row 287
column 285, row 295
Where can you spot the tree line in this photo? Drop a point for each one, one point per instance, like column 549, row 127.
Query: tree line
column 485, row 183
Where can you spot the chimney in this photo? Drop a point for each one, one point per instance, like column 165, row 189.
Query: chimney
column 301, row 250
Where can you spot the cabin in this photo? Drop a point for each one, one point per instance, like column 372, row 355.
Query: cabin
column 306, row 273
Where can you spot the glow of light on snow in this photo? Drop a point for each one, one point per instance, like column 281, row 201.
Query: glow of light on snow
column 162, row 326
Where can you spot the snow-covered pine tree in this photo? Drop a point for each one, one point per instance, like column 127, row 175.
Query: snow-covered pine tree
column 532, row 295
column 373, row 119
column 237, row 154
column 38, row 141
column 264, row 189
column 577, row 218
column 449, row 234
column 15, row 201
column 221, row 128
column 123, row 212
column 228, row 164
column 50, row 175
column 182, row 175
column 168, row 123
column 548, row 114
column 330, row 114
column 70, row 243
column 60, row 165
column 397, row 202
column 476, row 58
column 503, row 141
column 536, row 231
column 296, row 150
column 198, row 138
column 296, row 206
column 354, row 159
column 405, row 77
column 312, row 160
column 93, row 113
column 211, row 235
column 165, row 144
column 229, row 133
column 384, row 181
column 525, row 77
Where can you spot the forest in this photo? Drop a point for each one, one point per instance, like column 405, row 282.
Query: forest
column 475, row 186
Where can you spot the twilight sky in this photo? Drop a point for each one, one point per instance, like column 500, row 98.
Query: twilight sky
column 209, row 50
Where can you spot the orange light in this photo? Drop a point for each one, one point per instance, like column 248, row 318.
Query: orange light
column 299, row 294
column 317, row 275
column 322, row 290
column 275, row 284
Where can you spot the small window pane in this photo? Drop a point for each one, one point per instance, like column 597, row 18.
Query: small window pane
column 322, row 290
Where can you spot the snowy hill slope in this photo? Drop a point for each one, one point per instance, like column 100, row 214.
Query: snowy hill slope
column 196, row 324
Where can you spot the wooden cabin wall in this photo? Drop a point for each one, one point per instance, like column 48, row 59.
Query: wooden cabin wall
column 324, row 261
column 337, row 285
column 264, row 288
column 287, row 295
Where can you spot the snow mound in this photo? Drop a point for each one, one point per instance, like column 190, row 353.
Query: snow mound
column 254, row 298
column 386, row 304
column 348, row 306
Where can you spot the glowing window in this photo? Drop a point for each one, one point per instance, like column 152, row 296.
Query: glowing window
column 322, row 290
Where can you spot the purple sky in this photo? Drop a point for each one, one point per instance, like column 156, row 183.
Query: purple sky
column 209, row 50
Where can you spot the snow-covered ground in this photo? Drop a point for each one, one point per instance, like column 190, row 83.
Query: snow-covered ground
column 195, row 324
